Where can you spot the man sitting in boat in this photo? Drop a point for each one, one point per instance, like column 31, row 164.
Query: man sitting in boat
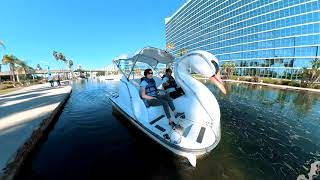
column 151, row 97
column 170, row 86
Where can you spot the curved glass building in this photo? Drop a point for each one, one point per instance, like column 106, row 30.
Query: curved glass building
column 267, row 38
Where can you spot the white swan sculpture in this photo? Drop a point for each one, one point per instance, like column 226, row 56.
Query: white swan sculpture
column 200, row 131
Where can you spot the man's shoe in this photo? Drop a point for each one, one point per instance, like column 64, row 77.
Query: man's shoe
column 181, row 115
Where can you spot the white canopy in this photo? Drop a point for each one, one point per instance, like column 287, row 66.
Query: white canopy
column 151, row 56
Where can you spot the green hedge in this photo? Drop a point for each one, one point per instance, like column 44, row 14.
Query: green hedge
column 317, row 86
column 6, row 86
column 294, row 83
column 270, row 81
column 7, row 82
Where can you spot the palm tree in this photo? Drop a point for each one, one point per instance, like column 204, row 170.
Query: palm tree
column 25, row 68
column 55, row 55
column 19, row 70
column 70, row 64
column 315, row 63
column 39, row 67
column 11, row 61
column 229, row 68
column 60, row 56
column 170, row 46
column 182, row 52
column 311, row 75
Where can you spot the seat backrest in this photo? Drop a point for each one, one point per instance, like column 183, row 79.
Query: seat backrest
column 158, row 81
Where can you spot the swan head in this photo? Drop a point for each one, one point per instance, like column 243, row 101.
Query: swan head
column 206, row 64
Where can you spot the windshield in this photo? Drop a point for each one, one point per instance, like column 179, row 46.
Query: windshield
column 132, row 71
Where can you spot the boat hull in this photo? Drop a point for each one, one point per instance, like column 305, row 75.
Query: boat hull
column 177, row 150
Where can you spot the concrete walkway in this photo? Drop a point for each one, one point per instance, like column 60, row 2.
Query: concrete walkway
column 25, row 114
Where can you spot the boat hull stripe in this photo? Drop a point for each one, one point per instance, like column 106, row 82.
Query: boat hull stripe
column 160, row 128
column 157, row 119
column 201, row 134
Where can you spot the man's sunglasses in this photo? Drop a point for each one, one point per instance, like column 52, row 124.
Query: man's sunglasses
column 150, row 72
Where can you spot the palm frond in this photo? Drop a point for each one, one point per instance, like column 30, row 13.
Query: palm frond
column 70, row 63
column 2, row 44
column 7, row 59
column 39, row 67
column 55, row 55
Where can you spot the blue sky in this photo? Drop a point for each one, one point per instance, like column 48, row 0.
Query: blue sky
column 90, row 33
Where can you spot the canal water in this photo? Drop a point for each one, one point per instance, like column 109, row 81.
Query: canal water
column 266, row 134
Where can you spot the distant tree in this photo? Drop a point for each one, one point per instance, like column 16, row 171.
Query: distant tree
column 60, row 57
column 39, row 67
column 170, row 46
column 11, row 61
column 311, row 75
column 55, row 55
column 70, row 64
column 24, row 67
column 229, row 68
column 182, row 52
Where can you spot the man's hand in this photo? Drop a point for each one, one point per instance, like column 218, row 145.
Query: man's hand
column 164, row 85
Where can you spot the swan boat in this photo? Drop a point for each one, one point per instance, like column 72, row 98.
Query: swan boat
column 199, row 130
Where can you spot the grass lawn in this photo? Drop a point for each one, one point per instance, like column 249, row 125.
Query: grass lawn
column 5, row 91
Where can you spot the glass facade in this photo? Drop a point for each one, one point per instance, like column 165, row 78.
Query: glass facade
column 268, row 38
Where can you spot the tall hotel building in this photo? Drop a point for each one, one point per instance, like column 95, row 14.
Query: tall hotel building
column 267, row 38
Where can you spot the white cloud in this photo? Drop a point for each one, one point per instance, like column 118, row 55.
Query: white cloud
column 122, row 56
column 126, row 56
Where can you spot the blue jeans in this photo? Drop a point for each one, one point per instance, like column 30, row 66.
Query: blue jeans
column 165, row 101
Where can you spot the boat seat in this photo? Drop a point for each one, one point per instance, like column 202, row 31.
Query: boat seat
column 158, row 82
column 137, row 81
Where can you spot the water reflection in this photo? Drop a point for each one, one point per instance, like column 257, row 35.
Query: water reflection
column 304, row 102
column 283, row 99
column 273, row 130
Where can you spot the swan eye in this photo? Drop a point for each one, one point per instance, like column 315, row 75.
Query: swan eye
column 216, row 66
